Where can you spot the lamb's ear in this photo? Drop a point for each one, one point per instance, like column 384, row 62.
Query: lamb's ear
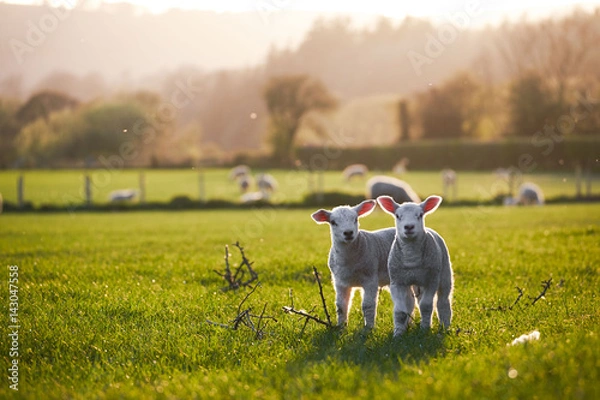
column 321, row 216
column 431, row 204
column 365, row 207
column 388, row 204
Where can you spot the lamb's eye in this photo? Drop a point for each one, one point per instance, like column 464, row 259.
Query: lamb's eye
column 420, row 215
column 356, row 220
column 333, row 223
column 399, row 217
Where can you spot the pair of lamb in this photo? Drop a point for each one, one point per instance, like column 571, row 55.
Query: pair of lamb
column 412, row 259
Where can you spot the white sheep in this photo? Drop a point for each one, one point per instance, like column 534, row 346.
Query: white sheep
column 529, row 194
column 238, row 171
column 418, row 257
column 449, row 182
column 253, row 197
column 266, row 183
column 354, row 170
column 357, row 258
column 399, row 190
column 244, row 182
column 122, row 195
column 401, row 166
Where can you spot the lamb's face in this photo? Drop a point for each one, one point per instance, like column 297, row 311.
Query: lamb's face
column 410, row 217
column 343, row 220
column 344, row 224
column 410, row 221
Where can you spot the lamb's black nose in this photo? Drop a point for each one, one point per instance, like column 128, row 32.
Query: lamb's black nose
column 409, row 227
column 348, row 233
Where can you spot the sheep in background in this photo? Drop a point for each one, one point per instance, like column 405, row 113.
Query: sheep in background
column 449, row 182
column 354, row 170
column 122, row 195
column 357, row 258
column 399, row 190
column 254, row 197
column 529, row 194
column 401, row 167
column 239, row 171
column 244, row 182
column 266, row 183
column 418, row 257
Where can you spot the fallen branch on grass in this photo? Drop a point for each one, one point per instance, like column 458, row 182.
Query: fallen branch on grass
column 309, row 316
column 235, row 280
column 518, row 298
column 545, row 287
column 257, row 323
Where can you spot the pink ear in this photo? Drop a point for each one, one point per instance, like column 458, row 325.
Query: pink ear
column 387, row 203
column 431, row 203
column 321, row 216
column 365, row 207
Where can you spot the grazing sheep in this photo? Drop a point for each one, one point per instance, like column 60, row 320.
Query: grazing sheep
column 529, row 194
column 122, row 195
column 354, row 170
column 238, row 171
column 254, row 197
column 244, row 182
column 400, row 167
column 357, row 258
column 419, row 257
column 266, row 183
column 449, row 182
column 399, row 190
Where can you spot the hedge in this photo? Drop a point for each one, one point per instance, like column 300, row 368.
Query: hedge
column 538, row 154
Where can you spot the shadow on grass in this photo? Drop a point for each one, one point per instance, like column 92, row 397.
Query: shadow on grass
column 372, row 351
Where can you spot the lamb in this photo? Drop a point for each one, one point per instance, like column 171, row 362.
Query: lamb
column 418, row 257
column 449, row 182
column 357, row 259
column 239, row 171
column 122, row 195
column 266, row 183
column 244, row 182
column 354, row 170
column 529, row 194
column 399, row 190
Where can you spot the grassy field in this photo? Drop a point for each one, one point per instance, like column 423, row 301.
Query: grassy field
column 115, row 305
column 66, row 187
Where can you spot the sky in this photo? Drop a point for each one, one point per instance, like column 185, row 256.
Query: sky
column 488, row 11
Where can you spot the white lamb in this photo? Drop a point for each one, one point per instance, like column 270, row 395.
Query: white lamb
column 266, row 183
column 122, row 195
column 357, row 258
column 529, row 194
column 419, row 257
column 239, row 171
column 399, row 190
column 353, row 170
column 449, row 182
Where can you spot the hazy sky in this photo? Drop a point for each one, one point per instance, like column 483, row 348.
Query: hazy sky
column 490, row 11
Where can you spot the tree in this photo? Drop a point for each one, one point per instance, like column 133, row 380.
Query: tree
column 42, row 104
column 451, row 111
column 288, row 99
column 530, row 104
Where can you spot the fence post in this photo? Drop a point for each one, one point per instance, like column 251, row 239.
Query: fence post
column 87, row 182
column 142, row 183
column 20, row 188
column 320, row 184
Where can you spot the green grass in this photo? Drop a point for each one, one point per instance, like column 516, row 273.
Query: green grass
column 115, row 305
column 66, row 187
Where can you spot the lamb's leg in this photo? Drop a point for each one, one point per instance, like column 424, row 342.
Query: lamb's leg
column 369, row 304
column 444, row 305
column 342, row 303
column 426, row 306
column 404, row 304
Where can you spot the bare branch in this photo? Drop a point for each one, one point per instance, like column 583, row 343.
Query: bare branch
column 518, row 298
column 545, row 285
column 322, row 297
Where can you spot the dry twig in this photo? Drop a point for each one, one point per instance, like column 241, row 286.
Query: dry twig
column 235, row 280
column 309, row 316
column 545, row 286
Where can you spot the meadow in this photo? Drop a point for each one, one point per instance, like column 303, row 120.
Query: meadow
column 65, row 187
column 115, row 305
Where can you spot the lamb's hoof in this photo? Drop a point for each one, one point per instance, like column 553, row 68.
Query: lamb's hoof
column 398, row 332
